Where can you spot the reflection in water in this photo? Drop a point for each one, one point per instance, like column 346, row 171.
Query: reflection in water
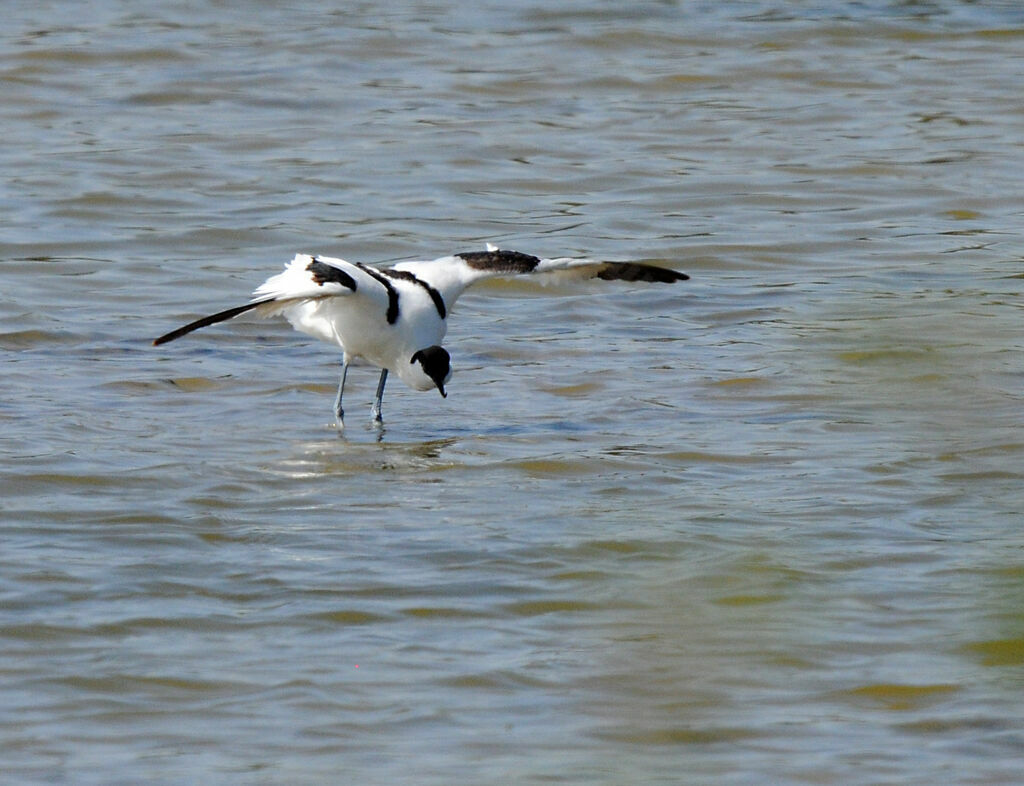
column 343, row 457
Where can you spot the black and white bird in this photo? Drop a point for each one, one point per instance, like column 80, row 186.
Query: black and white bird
column 395, row 317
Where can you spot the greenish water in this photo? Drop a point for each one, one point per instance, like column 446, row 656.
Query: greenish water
column 763, row 526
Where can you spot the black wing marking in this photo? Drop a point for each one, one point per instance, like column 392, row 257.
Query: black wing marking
column 405, row 275
column 322, row 273
column 392, row 314
column 634, row 271
column 500, row 261
column 213, row 319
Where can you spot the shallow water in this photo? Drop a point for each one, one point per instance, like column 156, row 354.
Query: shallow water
column 760, row 526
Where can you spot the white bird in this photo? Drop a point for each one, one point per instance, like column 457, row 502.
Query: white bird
column 395, row 317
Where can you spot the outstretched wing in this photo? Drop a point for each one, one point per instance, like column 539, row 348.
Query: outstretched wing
column 304, row 278
column 495, row 262
column 453, row 274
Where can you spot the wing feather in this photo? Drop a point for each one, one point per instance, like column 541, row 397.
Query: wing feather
column 451, row 275
column 304, row 278
column 311, row 277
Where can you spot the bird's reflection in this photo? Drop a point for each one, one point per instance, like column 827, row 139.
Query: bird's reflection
column 352, row 453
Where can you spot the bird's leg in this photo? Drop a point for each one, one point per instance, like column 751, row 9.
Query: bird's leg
column 339, row 411
column 375, row 412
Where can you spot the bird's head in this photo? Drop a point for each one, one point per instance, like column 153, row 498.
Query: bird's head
column 436, row 364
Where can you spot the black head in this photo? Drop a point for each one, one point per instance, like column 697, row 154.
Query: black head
column 436, row 363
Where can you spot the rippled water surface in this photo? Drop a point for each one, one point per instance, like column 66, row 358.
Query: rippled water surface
column 762, row 526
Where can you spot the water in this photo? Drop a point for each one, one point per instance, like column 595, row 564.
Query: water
column 761, row 526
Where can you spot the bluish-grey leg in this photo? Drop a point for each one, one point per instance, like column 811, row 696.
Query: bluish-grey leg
column 375, row 412
column 338, row 410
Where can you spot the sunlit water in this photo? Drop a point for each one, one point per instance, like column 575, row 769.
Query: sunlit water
column 763, row 526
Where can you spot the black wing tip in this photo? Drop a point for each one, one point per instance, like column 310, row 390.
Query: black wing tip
column 635, row 271
column 176, row 333
column 173, row 335
column 202, row 322
column 675, row 275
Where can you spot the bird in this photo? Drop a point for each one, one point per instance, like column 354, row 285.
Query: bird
column 395, row 318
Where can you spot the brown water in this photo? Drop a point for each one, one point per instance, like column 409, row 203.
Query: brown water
column 761, row 527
